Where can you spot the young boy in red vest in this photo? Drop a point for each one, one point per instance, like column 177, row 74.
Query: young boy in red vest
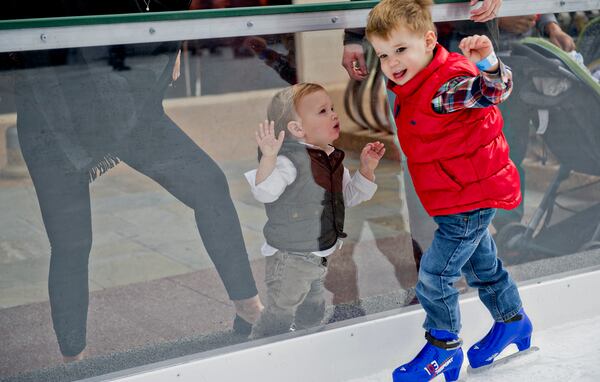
column 450, row 129
column 306, row 189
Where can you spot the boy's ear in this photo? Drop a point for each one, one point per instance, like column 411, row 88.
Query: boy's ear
column 430, row 40
column 295, row 128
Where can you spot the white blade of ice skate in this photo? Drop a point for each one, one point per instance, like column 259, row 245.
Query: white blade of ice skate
column 503, row 360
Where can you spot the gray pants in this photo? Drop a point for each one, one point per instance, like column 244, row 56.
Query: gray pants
column 295, row 293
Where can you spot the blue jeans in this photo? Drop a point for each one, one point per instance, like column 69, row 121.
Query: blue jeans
column 462, row 242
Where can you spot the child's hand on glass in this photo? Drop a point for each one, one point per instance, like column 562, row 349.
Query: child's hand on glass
column 476, row 47
column 265, row 137
column 369, row 159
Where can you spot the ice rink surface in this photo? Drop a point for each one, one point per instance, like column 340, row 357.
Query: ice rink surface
column 568, row 353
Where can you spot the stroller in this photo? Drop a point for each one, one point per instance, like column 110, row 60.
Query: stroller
column 567, row 99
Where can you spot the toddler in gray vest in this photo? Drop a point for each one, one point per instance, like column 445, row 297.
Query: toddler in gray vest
column 305, row 188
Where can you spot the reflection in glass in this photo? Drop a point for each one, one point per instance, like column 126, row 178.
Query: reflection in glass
column 565, row 135
column 82, row 116
column 146, row 289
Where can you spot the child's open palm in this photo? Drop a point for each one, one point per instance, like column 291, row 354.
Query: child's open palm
column 265, row 137
column 476, row 47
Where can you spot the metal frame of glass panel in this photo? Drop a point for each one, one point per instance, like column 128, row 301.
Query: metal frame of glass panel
column 68, row 32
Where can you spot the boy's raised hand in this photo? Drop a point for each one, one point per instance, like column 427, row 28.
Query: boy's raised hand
column 476, row 47
column 369, row 159
column 265, row 137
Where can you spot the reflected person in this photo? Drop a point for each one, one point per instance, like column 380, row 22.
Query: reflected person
column 77, row 117
column 306, row 188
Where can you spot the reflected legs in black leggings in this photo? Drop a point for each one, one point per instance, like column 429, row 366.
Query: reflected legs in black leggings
column 160, row 150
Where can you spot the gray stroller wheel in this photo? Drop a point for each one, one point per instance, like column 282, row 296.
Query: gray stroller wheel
column 509, row 241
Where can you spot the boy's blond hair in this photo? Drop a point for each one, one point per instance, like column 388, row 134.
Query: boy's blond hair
column 388, row 15
column 284, row 104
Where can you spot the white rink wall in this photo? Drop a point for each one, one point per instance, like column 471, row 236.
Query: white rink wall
column 364, row 347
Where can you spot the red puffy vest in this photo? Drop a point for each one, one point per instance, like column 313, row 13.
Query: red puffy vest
column 458, row 161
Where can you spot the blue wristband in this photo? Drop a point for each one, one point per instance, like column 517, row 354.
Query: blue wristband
column 487, row 62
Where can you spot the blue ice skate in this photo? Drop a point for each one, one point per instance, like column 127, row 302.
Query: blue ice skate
column 516, row 331
column 441, row 355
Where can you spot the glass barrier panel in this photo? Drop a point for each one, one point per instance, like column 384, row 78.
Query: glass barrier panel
column 134, row 227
